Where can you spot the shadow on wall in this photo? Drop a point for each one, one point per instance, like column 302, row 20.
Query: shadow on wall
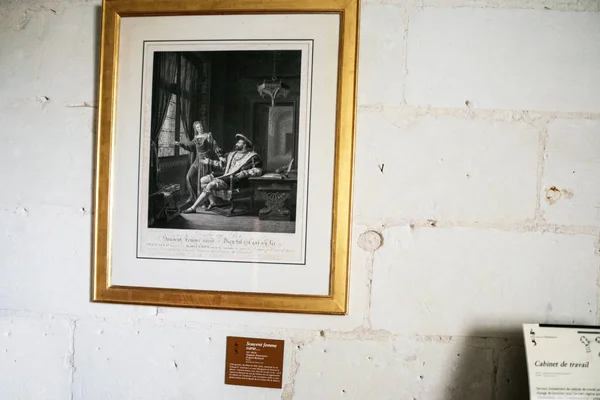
column 488, row 365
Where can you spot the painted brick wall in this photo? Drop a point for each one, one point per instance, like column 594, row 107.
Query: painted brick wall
column 477, row 164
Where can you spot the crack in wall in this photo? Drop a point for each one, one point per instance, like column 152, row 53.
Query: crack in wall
column 495, row 361
column 367, row 311
column 289, row 389
column 526, row 226
column 84, row 104
column 542, row 155
column 404, row 55
column 72, row 364
column 370, row 241
column 535, row 118
column 360, row 333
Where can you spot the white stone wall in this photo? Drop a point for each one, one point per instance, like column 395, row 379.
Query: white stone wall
column 477, row 162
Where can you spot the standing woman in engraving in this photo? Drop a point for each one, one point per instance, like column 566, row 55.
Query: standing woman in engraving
column 206, row 148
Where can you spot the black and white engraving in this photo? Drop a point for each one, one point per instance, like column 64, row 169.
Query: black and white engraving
column 224, row 140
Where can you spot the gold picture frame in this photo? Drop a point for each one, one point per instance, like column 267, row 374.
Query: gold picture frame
column 104, row 288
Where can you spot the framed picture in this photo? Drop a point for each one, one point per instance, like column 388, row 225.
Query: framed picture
column 225, row 154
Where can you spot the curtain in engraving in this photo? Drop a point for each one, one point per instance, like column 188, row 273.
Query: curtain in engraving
column 189, row 100
column 163, row 78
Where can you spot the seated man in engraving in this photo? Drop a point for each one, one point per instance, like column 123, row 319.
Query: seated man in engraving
column 239, row 164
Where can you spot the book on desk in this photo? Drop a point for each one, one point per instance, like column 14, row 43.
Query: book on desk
column 280, row 173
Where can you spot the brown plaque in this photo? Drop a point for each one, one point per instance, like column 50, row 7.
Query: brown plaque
column 254, row 362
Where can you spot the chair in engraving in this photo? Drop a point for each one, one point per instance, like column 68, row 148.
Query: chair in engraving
column 233, row 197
